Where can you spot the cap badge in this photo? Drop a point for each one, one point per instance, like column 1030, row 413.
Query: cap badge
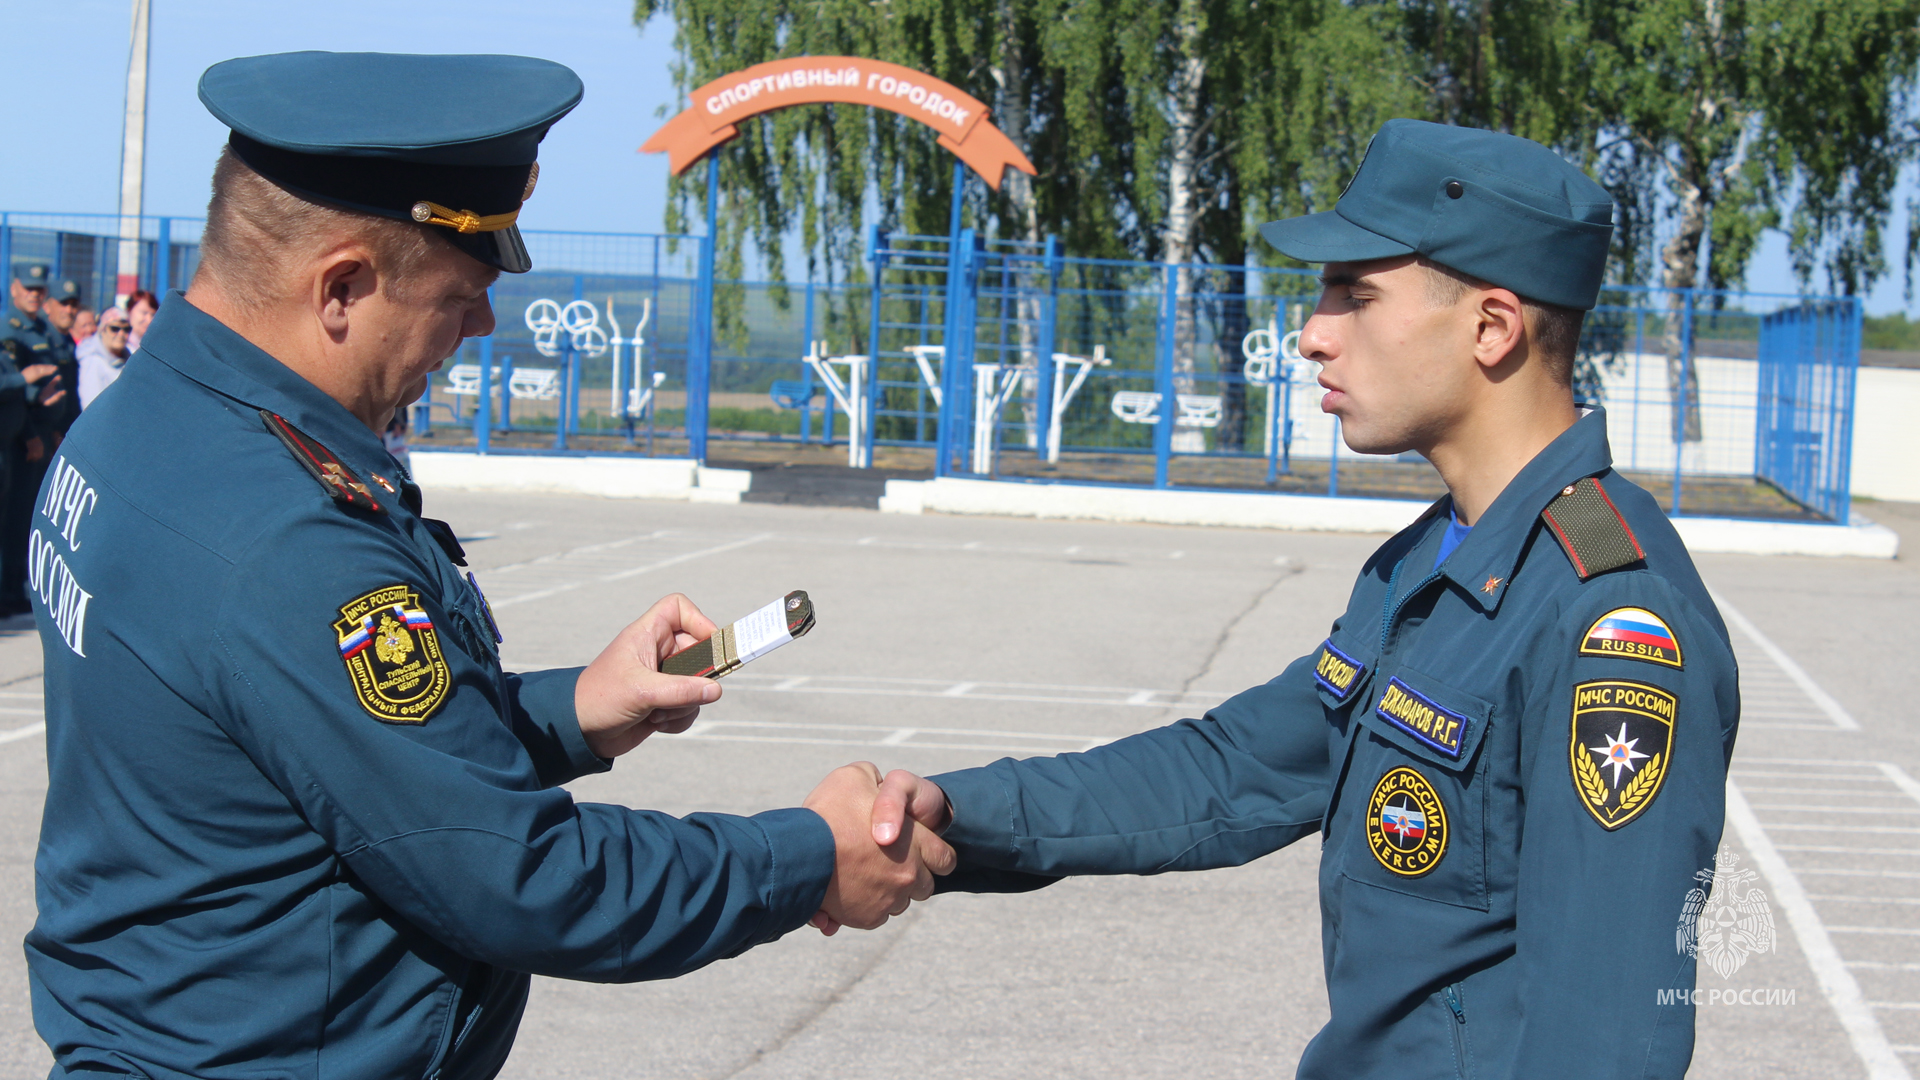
column 533, row 178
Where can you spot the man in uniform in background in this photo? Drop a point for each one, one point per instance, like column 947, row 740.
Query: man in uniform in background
column 55, row 406
column 33, row 350
column 1514, row 741
column 299, row 820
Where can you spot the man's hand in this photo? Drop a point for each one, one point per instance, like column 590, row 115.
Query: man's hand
column 903, row 796
column 871, row 882
column 622, row 697
column 36, row 372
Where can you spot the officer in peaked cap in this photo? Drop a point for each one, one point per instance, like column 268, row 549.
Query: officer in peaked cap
column 299, row 820
column 52, row 407
column 32, row 352
column 1513, row 741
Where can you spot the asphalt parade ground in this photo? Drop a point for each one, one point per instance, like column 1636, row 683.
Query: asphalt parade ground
column 944, row 642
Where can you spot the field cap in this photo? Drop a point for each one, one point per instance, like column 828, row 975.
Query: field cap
column 1497, row 207
column 446, row 141
column 67, row 291
column 31, row 275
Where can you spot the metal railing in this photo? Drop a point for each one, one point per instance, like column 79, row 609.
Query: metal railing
column 1017, row 361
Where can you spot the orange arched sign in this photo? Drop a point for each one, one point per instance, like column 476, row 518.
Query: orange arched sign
column 722, row 104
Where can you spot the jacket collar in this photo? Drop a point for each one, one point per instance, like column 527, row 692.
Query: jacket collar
column 205, row 350
column 1484, row 563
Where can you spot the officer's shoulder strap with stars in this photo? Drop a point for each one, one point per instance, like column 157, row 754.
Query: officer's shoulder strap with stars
column 1591, row 529
column 333, row 474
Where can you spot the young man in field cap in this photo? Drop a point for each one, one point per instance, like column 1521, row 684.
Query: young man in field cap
column 299, row 820
column 1513, row 742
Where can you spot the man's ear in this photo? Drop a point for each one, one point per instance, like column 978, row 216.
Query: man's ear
column 346, row 277
column 1500, row 331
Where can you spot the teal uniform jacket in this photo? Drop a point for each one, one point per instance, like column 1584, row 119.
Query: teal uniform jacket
column 1516, row 763
column 25, row 340
column 299, row 822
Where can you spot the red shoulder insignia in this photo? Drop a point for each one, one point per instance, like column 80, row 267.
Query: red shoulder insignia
column 338, row 480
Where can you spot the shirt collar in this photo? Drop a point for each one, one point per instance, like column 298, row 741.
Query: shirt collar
column 210, row 353
column 1484, row 562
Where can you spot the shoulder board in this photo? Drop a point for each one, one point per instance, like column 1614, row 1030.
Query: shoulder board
column 336, row 478
column 15, row 321
column 1590, row 527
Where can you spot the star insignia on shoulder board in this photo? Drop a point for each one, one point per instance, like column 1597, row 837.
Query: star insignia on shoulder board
column 1493, row 583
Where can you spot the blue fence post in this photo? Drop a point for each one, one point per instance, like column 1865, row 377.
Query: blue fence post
column 1043, row 362
column 700, row 351
column 483, row 414
column 1333, row 461
column 876, row 254
column 806, row 373
column 1848, row 372
column 163, row 259
column 1163, row 381
column 506, row 393
column 6, row 247
column 944, row 435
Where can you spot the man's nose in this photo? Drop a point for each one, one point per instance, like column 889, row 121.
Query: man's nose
column 1318, row 341
column 480, row 321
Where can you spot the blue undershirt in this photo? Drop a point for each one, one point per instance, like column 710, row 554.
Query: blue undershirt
column 1449, row 540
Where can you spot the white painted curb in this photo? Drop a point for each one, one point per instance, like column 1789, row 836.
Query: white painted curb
column 613, row 477
column 1318, row 513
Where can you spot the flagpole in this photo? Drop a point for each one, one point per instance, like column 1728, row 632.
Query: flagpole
column 133, row 153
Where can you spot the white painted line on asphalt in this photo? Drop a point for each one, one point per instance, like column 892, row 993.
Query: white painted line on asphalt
column 1891, row 875
column 1896, row 931
column 1774, row 726
column 1842, row 792
column 22, row 732
column 1882, row 965
column 1882, row 830
column 1837, row 809
column 569, row 586
column 1900, row 779
column 1866, row 899
column 1895, row 1004
column 947, row 690
column 1023, row 742
column 1821, row 699
column 1828, row 849
column 20, row 712
column 1836, row 982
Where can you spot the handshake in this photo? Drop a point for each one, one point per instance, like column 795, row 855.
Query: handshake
column 886, row 841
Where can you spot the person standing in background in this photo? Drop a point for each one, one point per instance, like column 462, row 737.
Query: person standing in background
column 85, row 325
column 30, row 372
column 51, row 410
column 103, row 355
column 140, row 306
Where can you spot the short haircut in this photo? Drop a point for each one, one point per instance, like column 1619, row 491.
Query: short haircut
column 257, row 233
column 1554, row 330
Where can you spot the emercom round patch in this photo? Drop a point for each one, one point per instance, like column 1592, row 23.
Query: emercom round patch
column 393, row 655
column 1406, row 825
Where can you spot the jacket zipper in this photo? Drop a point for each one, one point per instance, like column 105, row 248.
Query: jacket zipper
column 1462, row 1056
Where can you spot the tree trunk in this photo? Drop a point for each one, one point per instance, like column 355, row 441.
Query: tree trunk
column 1681, row 262
column 1183, row 202
column 1010, row 74
column 1234, row 324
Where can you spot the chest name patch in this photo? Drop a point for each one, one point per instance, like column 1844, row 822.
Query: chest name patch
column 1336, row 672
column 393, row 655
column 1634, row 634
column 1406, row 823
column 1622, row 743
column 1421, row 717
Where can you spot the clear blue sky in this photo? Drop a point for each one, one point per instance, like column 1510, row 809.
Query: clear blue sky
column 72, row 56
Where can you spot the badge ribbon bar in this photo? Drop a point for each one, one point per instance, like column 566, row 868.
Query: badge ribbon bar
column 734, row 646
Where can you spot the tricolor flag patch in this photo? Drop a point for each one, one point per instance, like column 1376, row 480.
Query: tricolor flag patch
column 1632, row 634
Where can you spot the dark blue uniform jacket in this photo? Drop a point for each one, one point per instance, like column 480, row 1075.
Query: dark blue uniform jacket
column 1498, row 897
column 243, row 871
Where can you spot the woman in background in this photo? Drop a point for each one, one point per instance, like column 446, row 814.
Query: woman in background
column 141, row 305
column 102, row 355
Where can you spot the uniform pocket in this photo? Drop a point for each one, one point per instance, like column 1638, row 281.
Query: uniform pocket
column 1418, row 792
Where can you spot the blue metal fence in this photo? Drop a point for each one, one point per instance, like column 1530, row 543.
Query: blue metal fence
column 1017, row 361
